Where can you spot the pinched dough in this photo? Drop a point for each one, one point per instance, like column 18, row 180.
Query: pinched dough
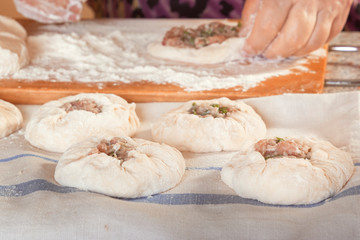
column 53, row 128
column 10, row 25
column 10, row 118
column 195, row 133
column 148, row 168
column 13, row 51
column 13, row 54
column 290, row 180
column 228, row 50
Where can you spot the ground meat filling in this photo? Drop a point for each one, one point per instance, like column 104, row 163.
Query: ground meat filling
column 214, row 110
column 83, row 104
column 117, row 147
column 204, row 35
column 278, row 147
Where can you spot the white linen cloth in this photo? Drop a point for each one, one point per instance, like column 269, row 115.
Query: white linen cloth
column 34, row 206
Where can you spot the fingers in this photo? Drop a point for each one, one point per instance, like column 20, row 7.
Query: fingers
column 59, row 3
column 340, row 20
column 29, row 9
column 270, row 18
column 248, row 16
column 320, row 34
column 74, row 8
column 292, row 27
column 50, row 11
column 330, row 21
column 295, row 33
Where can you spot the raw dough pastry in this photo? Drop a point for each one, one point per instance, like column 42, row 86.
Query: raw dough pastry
column 58, row 124
column 227, row 127
column 10, row 118
column 9, row 25
column 228, row 50
column 315, row 171
column 121, row 167
column 13, row 51
column 13, row 54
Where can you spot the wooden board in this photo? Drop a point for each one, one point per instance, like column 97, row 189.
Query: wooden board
column 38, row 92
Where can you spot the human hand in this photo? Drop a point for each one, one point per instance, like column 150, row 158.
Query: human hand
column 283, row 28
column 50, row 11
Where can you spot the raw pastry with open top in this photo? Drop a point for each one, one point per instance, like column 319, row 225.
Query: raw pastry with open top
column 289, row 171
column 58, row 124
column 210, row 126
column 121, row 166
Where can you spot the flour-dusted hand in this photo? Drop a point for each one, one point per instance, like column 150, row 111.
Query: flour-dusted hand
column 283, row 28
column 50, row 11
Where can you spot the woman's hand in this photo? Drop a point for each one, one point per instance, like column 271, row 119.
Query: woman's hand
column 50, row 11
column 283, row 28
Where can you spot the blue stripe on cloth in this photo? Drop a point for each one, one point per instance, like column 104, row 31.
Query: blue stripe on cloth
column 32, row 186
column 29, row 187
column 204, row 199
column 26, row 155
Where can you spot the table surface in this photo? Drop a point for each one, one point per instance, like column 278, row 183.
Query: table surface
column 34, row 206
column 138, row 77
column 344, row 66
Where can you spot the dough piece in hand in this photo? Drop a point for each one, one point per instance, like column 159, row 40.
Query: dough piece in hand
column 13, row 51
column 11, row 26
column 209, row 126
column 121, row 167
column 10, row 118
column 289, row 171
column 209, row 43
column 13, row 54
column 58, row 124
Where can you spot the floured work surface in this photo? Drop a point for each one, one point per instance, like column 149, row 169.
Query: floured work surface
column 110, row 56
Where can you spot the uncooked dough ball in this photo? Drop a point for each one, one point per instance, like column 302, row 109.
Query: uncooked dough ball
column 209, row 43
column 121, row 167
column 13, row 51
column 209, row 126
column 10, row 118
column 229, row 50
column 58, row 124
column 13, row 54
column 289, row 171
column 10, row 25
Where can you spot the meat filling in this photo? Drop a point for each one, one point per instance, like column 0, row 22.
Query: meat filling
column 278, row 147
column 83, row 104
column 215, row 110
column 117, row 147
column 204, row 35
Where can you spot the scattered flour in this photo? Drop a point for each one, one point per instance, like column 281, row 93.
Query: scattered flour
column 115, row 51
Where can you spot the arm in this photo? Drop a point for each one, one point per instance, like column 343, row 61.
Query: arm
column 50, row 11
column 283, row 28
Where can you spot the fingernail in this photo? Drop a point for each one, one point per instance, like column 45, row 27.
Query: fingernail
column 74, row 17
column 75, row 7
